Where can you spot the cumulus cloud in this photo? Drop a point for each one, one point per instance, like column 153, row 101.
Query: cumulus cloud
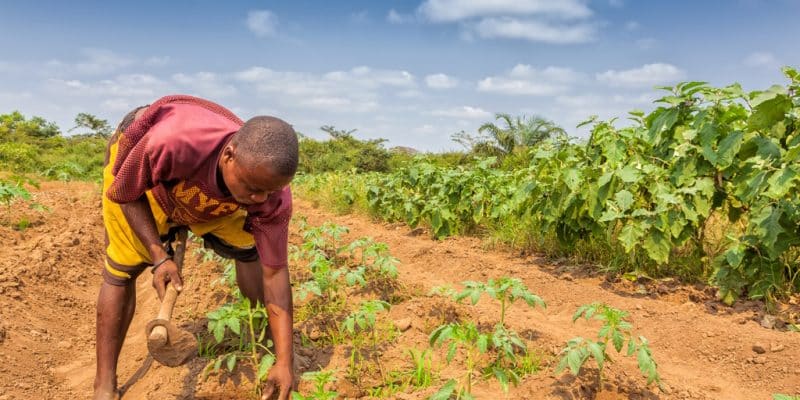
column 458, row 10
column 205, row 84
column 644, row 76
column 559, row 22
column 762, row 60
column 357, row 89
column 441, row 81
column 526, row 80
column 535, row 31
column 100, row 61
column 395, row 17
column 263, row 23
column 128, row 86
column 93, row 61
column 156, row 61
column 462, row 112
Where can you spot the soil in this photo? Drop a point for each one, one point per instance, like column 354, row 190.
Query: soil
column 50, row 275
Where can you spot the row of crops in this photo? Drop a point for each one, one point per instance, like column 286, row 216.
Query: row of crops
column 703, row 187
column 344, row 290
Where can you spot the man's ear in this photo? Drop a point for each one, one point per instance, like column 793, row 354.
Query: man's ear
column 228, row 153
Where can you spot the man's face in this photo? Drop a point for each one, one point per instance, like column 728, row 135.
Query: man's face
column 249, row 184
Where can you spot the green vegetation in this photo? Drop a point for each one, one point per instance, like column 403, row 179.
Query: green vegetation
column 615, row 329
column 511, row 357
column 35, row 146
column 321, row 380
column 704, row 187
column 360, row 328
column 238, row 330
column 342, row 152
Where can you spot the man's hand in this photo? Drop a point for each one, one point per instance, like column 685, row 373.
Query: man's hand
column 280, row 380
column 165, row 273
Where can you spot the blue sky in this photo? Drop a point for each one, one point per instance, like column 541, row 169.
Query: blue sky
column 413, row 72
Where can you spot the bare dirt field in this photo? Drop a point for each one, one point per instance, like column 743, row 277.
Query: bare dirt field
column 50, row 275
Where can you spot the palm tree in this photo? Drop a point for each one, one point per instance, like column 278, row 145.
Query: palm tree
column 519, row 132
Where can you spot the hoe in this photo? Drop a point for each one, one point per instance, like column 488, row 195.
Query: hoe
column 167, row 343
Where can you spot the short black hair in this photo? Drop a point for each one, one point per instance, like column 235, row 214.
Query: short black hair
column 269, row 140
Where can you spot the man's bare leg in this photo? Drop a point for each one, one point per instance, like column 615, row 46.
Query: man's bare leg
column 115, row 308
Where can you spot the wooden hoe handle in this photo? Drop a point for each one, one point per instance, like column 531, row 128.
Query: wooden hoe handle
column 159, row 332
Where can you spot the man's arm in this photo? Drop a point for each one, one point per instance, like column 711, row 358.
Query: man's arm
column 278, row 302
column 140, row 218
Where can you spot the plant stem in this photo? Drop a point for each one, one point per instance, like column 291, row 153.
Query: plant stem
column 503, row 311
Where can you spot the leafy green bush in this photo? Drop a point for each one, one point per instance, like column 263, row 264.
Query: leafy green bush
column 616, row 330
column 37, row 146
column 639, row 198
column 342, row 152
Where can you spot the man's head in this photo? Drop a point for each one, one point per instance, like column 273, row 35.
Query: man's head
column 260, row 159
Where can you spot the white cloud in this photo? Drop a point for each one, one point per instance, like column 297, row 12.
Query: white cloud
column 616, row 3
column 458, row 10
column 93, row 62
column 357, row 89
column 395, row 17
column 100, row 61
column 425, row 129
column 525, row 80
column 518, row 87
column 535, row 30
column 441, row 81
column 597, row 102
column 205, row 84
column 462, row 112
column 762, row 60
column 128, row 86
column 551, row 73
column 157, row 61
column 338, row 104
column 262, row 23
column 644, row 76
column 367, row 77
column 410, row 94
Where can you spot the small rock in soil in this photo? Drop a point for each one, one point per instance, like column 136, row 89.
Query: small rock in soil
column 315, row 334
column 347, row 389
column 776, row 347
column 760, row 360
column 768, row 321
column 403, row 324
column 759, row 348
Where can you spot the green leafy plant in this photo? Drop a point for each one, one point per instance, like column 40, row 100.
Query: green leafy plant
column 360, row 328
column 239, row 330
column 321, row 380
column 784, row 397
column 615, row 329
column 703, row 187
column 422, row 371
column 506, row 290
column 472, row 343
column 509, row 347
